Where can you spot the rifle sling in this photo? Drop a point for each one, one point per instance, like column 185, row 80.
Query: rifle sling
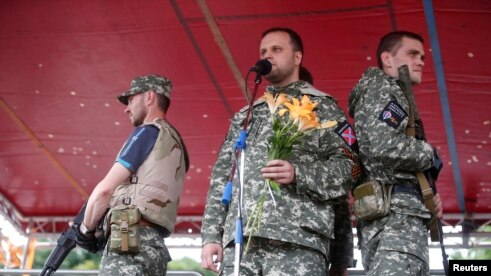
column 430, row 205
column 426, row 190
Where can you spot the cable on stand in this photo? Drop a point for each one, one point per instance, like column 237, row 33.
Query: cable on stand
column 262, row 67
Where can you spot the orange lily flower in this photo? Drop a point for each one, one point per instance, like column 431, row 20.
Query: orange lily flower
column 301, row 112
column 274, row 101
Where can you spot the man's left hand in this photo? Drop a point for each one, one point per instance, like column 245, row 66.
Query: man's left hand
column 280, row 171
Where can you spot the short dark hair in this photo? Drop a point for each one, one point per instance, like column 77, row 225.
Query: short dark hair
column 295, row 39
column 391, row 42
column 163, row 102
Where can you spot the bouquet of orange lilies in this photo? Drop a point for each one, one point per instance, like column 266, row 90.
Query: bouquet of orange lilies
column 286, row 133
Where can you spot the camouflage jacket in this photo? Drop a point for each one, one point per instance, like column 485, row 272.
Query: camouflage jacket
column 324, row 167
column 380, row 109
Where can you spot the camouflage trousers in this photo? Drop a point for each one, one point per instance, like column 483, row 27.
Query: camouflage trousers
column 151, row 260
column 272, row 257
column 396, row 244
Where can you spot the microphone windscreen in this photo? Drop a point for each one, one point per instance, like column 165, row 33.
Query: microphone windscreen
column 262, row 67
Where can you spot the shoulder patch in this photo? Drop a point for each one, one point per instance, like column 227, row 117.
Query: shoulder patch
column 345, row 131
column 393, row 114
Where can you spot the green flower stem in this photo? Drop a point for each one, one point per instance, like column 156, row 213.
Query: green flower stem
column 285, row 136
column 256, row 216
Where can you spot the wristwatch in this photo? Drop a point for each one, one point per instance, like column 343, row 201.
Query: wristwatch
column 85, row 231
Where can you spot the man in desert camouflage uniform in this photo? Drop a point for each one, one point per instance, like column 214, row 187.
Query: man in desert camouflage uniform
column 294, row 237
column 148, row 176
column 396, row 244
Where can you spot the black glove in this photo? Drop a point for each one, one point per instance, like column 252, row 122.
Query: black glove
column 87, row 241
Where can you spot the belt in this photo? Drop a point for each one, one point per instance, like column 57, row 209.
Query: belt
column 159, row 228
column 144, row 222
column 407, row 189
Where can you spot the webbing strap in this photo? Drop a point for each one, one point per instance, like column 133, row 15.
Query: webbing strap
column 430, row 205
column 124, row 231
column 426, row 190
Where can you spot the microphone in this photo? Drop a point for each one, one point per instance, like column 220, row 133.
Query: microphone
column 262, row 67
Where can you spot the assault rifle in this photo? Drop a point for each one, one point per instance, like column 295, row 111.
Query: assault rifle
column 67, row 241
column 427, row 179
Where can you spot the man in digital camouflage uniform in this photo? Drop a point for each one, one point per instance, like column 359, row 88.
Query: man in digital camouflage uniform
column 294, row 237
column 341, row 246
column 396, row 244
column 147, row 175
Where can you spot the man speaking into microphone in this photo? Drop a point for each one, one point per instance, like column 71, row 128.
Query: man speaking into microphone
column 295, row 229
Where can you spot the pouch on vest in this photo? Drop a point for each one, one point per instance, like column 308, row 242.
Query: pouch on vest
column 371, row 200
column 125, row 230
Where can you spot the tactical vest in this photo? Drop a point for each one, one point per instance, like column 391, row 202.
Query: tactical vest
column 155, row 187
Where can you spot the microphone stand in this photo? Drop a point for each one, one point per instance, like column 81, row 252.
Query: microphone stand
column 239, row 148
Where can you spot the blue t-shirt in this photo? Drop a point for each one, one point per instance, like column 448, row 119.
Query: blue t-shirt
column 137, row 147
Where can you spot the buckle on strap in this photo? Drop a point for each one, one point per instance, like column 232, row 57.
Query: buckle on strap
column 126, row 201
column 124, row 223
column 427, row 193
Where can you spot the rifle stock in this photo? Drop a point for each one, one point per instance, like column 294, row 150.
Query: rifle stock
column 416, row 130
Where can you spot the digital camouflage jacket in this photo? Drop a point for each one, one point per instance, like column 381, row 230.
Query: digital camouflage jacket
column 380, row 109
column 325, row 169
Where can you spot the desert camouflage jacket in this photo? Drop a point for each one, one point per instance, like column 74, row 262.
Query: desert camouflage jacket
column 325, row 169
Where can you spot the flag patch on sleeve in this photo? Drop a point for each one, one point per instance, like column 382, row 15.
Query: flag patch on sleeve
column 393, row 114
column 345, row 131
